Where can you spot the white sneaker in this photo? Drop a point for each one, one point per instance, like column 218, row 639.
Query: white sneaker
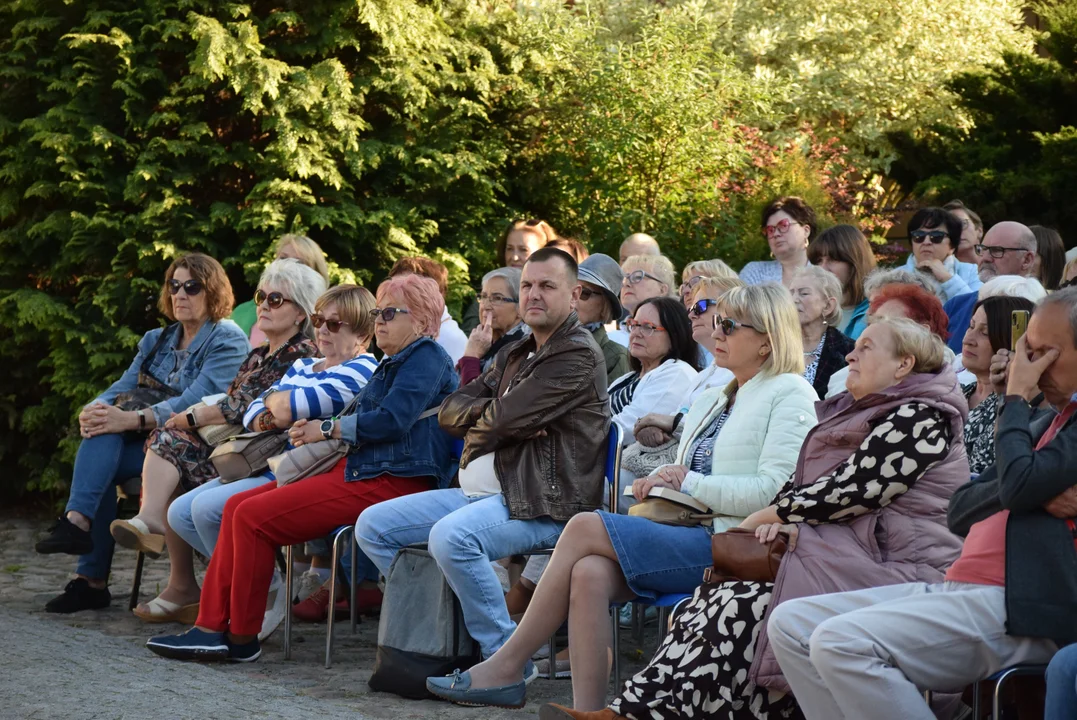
column 309, row 582
column 276, row 606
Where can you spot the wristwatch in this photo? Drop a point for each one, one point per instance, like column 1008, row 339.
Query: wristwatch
column 191, row 422
column 327, row 428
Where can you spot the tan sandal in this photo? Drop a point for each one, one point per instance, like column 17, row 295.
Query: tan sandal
column 163, row 611
column 135, row 535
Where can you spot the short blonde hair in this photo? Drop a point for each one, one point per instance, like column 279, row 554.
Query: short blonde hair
column 914, row 340
column 769, row 308
column 707, row 269
column 828, row 285
column 713, row 287
column 658, row 265
column 310, row 253
column 354, row 306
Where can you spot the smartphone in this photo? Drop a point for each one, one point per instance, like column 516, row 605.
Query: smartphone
column 1018, row 325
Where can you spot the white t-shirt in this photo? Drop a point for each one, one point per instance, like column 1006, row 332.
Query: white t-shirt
column 479, row 478
column 451, row 337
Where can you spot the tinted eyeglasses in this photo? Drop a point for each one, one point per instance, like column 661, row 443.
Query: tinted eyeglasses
column 273, row 299
column 779, row 228
column 387, row 314
column 996, row 252
column 936, row 236
column 317, row 320
column 700, row 307
column 587, row 293
column 636, row 276
column 646, row 329
column 191, row 287
column 492, row 298
column 729, row 325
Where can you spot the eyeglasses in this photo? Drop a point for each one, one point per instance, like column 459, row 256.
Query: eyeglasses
column 387, row 314
column 191, row 287
column 317, row 320
column 273, row 299
column 493, row 298
column 779, row 228
column 587, row 293
column 700, row 307
column 691, row 282
column 636, row 276
column 935, row 236
column 996, row 252
column 729, row 325
column 645, row 329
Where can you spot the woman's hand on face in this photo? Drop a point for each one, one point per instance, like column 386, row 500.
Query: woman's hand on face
column 1000, row 365
column 936, row 268
column 767, row 533
column 481, row 338
column 305, row 432
column 1025, row 372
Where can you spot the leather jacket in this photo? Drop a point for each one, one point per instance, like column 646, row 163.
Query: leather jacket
column 560, row 390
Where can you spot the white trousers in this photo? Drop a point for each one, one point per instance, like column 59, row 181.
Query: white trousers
column 871, row 653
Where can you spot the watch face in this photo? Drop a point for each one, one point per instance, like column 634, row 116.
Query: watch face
column 327, row 427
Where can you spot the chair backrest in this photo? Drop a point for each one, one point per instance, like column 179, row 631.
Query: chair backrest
column 613, row 463
column 457, row 449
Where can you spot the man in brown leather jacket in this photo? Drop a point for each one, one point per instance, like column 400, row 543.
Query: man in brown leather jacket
column 534, row 428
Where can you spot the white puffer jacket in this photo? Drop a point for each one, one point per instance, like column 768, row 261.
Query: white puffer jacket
column 756, row 451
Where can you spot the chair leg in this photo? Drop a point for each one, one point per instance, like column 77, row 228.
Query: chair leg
column 335, row 560
column 996, row 697
column 288, row 603
column 136, row 584
column 353, row 603
column 616, row 612
column 663, row 623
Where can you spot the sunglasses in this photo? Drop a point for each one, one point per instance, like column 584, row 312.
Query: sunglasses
column 273, row 299
column 636, row 276
column 935, row 236
column 729, row 325
column 387, row 314
column 587, row 293
column 700, row 307
column 779, row 228
column 317, row 320
column 191, row 287
column 646, row 329
column 996, row 252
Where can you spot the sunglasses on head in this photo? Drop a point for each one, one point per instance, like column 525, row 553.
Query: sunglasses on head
column 729, row 325
column 387, row 314
column 700, row 307
column 636, row 276
column 273, row 299
column 317, row 320
column 935, row 236
column 191, row 287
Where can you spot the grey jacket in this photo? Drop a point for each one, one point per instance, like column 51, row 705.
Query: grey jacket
column 1041, row 561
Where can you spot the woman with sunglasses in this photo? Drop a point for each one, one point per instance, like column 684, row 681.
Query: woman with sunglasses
column 600, row 280
column 499, row 304
column 935, row 235
column 177, row 455
column 740, row 445
column 788, row 224
column 645, row 277
column 396, row 448
column 197, row 355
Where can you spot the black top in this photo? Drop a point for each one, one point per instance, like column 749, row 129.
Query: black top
column 832, row 358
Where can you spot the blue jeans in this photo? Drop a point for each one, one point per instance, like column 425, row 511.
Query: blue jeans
column 1061, row 701
column 464, row 535
column 196, row 515
column 102, row 463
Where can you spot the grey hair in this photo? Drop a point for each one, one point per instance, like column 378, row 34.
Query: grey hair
column 510, row 275
column 912, row 338
column 1066, row 297
column 898, row 276
column 828, row 284
column 1013, row 286
column 299, row 283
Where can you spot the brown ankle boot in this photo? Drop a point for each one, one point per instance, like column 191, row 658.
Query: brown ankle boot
column 553, row 711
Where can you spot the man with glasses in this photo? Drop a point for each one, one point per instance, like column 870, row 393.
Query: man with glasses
column 1008, row 248
column 534, row 425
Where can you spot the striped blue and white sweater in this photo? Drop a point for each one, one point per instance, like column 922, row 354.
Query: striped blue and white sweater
column 318, row 394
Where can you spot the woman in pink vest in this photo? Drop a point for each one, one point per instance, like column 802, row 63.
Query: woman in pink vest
column 865, row 507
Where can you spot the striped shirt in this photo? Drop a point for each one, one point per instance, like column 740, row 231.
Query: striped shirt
column 318, row 394
column 621, row 394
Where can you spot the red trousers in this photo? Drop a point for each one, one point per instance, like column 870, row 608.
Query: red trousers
column 258, row 521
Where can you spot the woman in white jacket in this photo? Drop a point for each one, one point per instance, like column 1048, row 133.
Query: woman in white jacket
column 739, row 447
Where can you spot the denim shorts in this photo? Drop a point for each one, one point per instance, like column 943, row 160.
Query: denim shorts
column 658, row 559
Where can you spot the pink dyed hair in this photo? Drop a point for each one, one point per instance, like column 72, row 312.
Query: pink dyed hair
column 421, row 296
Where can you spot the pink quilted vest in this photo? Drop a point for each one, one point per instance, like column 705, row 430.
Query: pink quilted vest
column 907, row 541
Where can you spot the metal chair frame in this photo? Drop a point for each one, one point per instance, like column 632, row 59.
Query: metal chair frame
column 1000, row 679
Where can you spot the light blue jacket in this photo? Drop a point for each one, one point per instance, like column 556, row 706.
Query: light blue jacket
column 965, row 278
column 217, row 351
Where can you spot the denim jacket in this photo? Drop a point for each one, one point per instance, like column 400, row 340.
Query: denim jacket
column 217, row 351
column 385, row 428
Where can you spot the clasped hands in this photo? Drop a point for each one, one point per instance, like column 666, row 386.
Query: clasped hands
column 100, row 419
column 653, row 429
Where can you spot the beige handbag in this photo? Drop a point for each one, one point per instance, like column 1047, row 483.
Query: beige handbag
column 670, row 507
column 247, row 455
column 214, row 435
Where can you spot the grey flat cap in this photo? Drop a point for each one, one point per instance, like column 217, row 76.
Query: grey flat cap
column 603, row 271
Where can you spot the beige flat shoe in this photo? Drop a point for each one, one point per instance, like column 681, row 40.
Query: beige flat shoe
column 135, row 535
column 163, row 611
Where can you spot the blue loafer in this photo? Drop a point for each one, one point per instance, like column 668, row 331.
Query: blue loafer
column 456, row 688
column 194, row 644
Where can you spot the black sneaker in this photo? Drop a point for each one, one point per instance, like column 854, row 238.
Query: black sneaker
column 247, row 652
column 65, row 537
column 78, row 595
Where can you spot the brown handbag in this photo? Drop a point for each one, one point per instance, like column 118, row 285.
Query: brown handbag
column 738, row 554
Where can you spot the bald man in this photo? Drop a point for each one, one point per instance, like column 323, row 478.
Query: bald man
column 639, row 244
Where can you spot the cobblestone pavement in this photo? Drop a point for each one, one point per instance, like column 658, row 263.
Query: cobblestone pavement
column 93, row 664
